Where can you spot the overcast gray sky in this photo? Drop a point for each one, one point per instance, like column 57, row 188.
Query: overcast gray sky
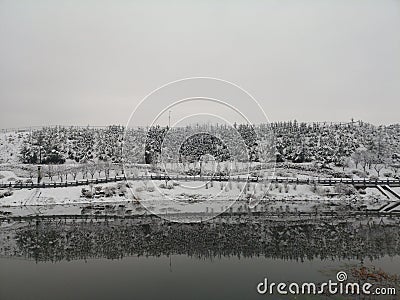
column 91, row 62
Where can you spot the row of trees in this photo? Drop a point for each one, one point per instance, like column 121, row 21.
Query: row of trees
column 368, row 159
column 365, row 145
column 54, row 145
column 75, row 172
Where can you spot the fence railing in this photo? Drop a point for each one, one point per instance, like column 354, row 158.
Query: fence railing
column 282, row 180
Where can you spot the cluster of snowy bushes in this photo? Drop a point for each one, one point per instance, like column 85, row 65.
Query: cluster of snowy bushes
column 6, row 193
column 107, row 191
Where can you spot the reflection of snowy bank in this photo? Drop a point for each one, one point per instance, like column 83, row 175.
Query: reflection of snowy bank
column 59, row 240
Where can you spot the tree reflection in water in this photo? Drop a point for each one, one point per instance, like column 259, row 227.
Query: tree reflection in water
column 329, row 239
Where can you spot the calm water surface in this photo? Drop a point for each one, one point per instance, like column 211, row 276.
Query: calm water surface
column 178, row 265
column 177, row 277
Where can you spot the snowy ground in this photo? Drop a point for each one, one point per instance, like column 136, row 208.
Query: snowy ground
column 144, row 197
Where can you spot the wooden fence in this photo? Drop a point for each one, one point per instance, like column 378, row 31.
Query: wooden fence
column 358, row 183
